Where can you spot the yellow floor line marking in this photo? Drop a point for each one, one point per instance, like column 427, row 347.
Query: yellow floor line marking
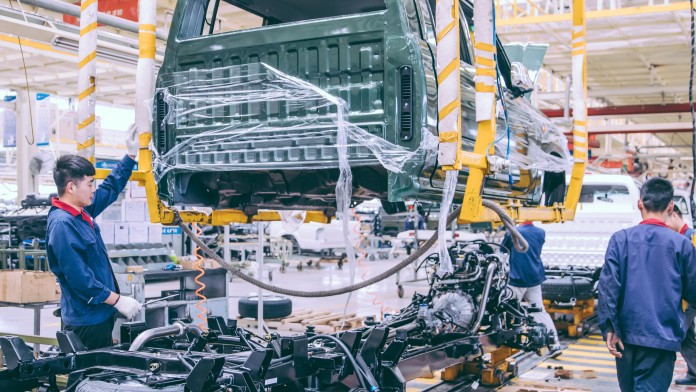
column 592, row 342
column 429, row 381
column 588, row 348
column 580, row 360
column 573, row 354
column 586, row 354
column 579, row 367
column 594, row 337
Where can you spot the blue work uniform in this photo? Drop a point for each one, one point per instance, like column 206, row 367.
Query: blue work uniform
column 526, row 269
column 77, row 254
column 687, row 231
column 647, row 271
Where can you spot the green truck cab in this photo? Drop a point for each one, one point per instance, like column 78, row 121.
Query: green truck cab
column 378, row 56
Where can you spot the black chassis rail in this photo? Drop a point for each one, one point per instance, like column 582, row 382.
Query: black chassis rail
column 288, row 362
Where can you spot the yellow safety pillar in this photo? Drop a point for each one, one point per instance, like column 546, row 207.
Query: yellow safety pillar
column 579, row 77
column 144, row 92
column 486, row 79
column 448, row 79
column 87, row 80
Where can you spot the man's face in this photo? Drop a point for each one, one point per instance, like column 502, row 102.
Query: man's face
column 675, row 222
column 81, row 192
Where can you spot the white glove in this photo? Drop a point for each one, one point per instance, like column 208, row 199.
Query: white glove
column 133, row 141
column 127, row 306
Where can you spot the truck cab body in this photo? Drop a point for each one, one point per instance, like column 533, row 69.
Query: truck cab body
column 378, row 56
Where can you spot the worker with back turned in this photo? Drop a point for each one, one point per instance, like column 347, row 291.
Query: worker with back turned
column 647, row 271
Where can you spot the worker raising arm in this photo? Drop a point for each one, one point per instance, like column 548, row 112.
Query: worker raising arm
column 76, row 252
column 647, row 270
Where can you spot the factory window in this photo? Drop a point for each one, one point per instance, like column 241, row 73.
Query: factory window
column 604, row 194
column 229, row 18
column 204, row 17
column 680, row 202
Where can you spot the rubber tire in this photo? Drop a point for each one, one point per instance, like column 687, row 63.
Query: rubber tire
column 400, row 291
column 566, row 288
column 274, row 307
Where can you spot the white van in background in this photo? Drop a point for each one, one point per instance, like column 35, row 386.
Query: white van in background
column 608, row 203
column 316, row 237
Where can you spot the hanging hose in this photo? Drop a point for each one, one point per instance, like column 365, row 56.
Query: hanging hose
column 198, row 266
column 519, row 242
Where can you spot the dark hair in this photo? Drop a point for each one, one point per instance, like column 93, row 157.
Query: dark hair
column 656, row 194
column 71, row 168
column 677, row 211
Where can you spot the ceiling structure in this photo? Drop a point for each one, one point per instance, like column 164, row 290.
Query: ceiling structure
column 638, row 68
column 638, row 55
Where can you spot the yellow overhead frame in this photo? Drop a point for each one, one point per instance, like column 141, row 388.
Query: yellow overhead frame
column 160, row 213
column 477, row 162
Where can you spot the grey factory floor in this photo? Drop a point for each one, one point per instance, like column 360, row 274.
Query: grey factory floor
column 362, row 302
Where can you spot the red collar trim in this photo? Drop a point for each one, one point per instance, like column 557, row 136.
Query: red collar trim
column 527, row 223
column 684, row 229
column 654, row 221
column 72, row 211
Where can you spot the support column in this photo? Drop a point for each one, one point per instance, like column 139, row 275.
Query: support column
column 87, row 80
column 26, row 183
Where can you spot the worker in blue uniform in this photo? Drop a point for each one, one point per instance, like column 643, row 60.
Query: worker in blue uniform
column 688, row 345
column 676, row 223
column 527, row 274
column 648, row 269
column 76, row 252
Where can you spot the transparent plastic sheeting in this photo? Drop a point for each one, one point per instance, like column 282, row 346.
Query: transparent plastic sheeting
column 535, row 142
column 220, row 110
column 447, row 197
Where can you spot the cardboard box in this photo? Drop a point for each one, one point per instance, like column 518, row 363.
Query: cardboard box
column 187, row 263
column 108, row 232
column 21, row 286
column 138, row 233
column 154, row 234
column 137, row 191
column 135, row 210
column 120, row 233
column 112, row 213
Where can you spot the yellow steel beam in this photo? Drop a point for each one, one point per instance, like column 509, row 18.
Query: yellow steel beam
column 579, row 75
column 625, row 11
column 487, row 74
column 472, row 208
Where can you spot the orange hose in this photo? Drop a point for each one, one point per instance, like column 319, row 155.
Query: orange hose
column 365, row 270
column 203, row 311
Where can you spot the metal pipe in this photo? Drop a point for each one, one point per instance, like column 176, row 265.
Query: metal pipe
column 626, row 110
column 196, row 330
column 105, row 19
column 566, row 107
column 492, row 266
column 177, row 329
column 639, row 131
